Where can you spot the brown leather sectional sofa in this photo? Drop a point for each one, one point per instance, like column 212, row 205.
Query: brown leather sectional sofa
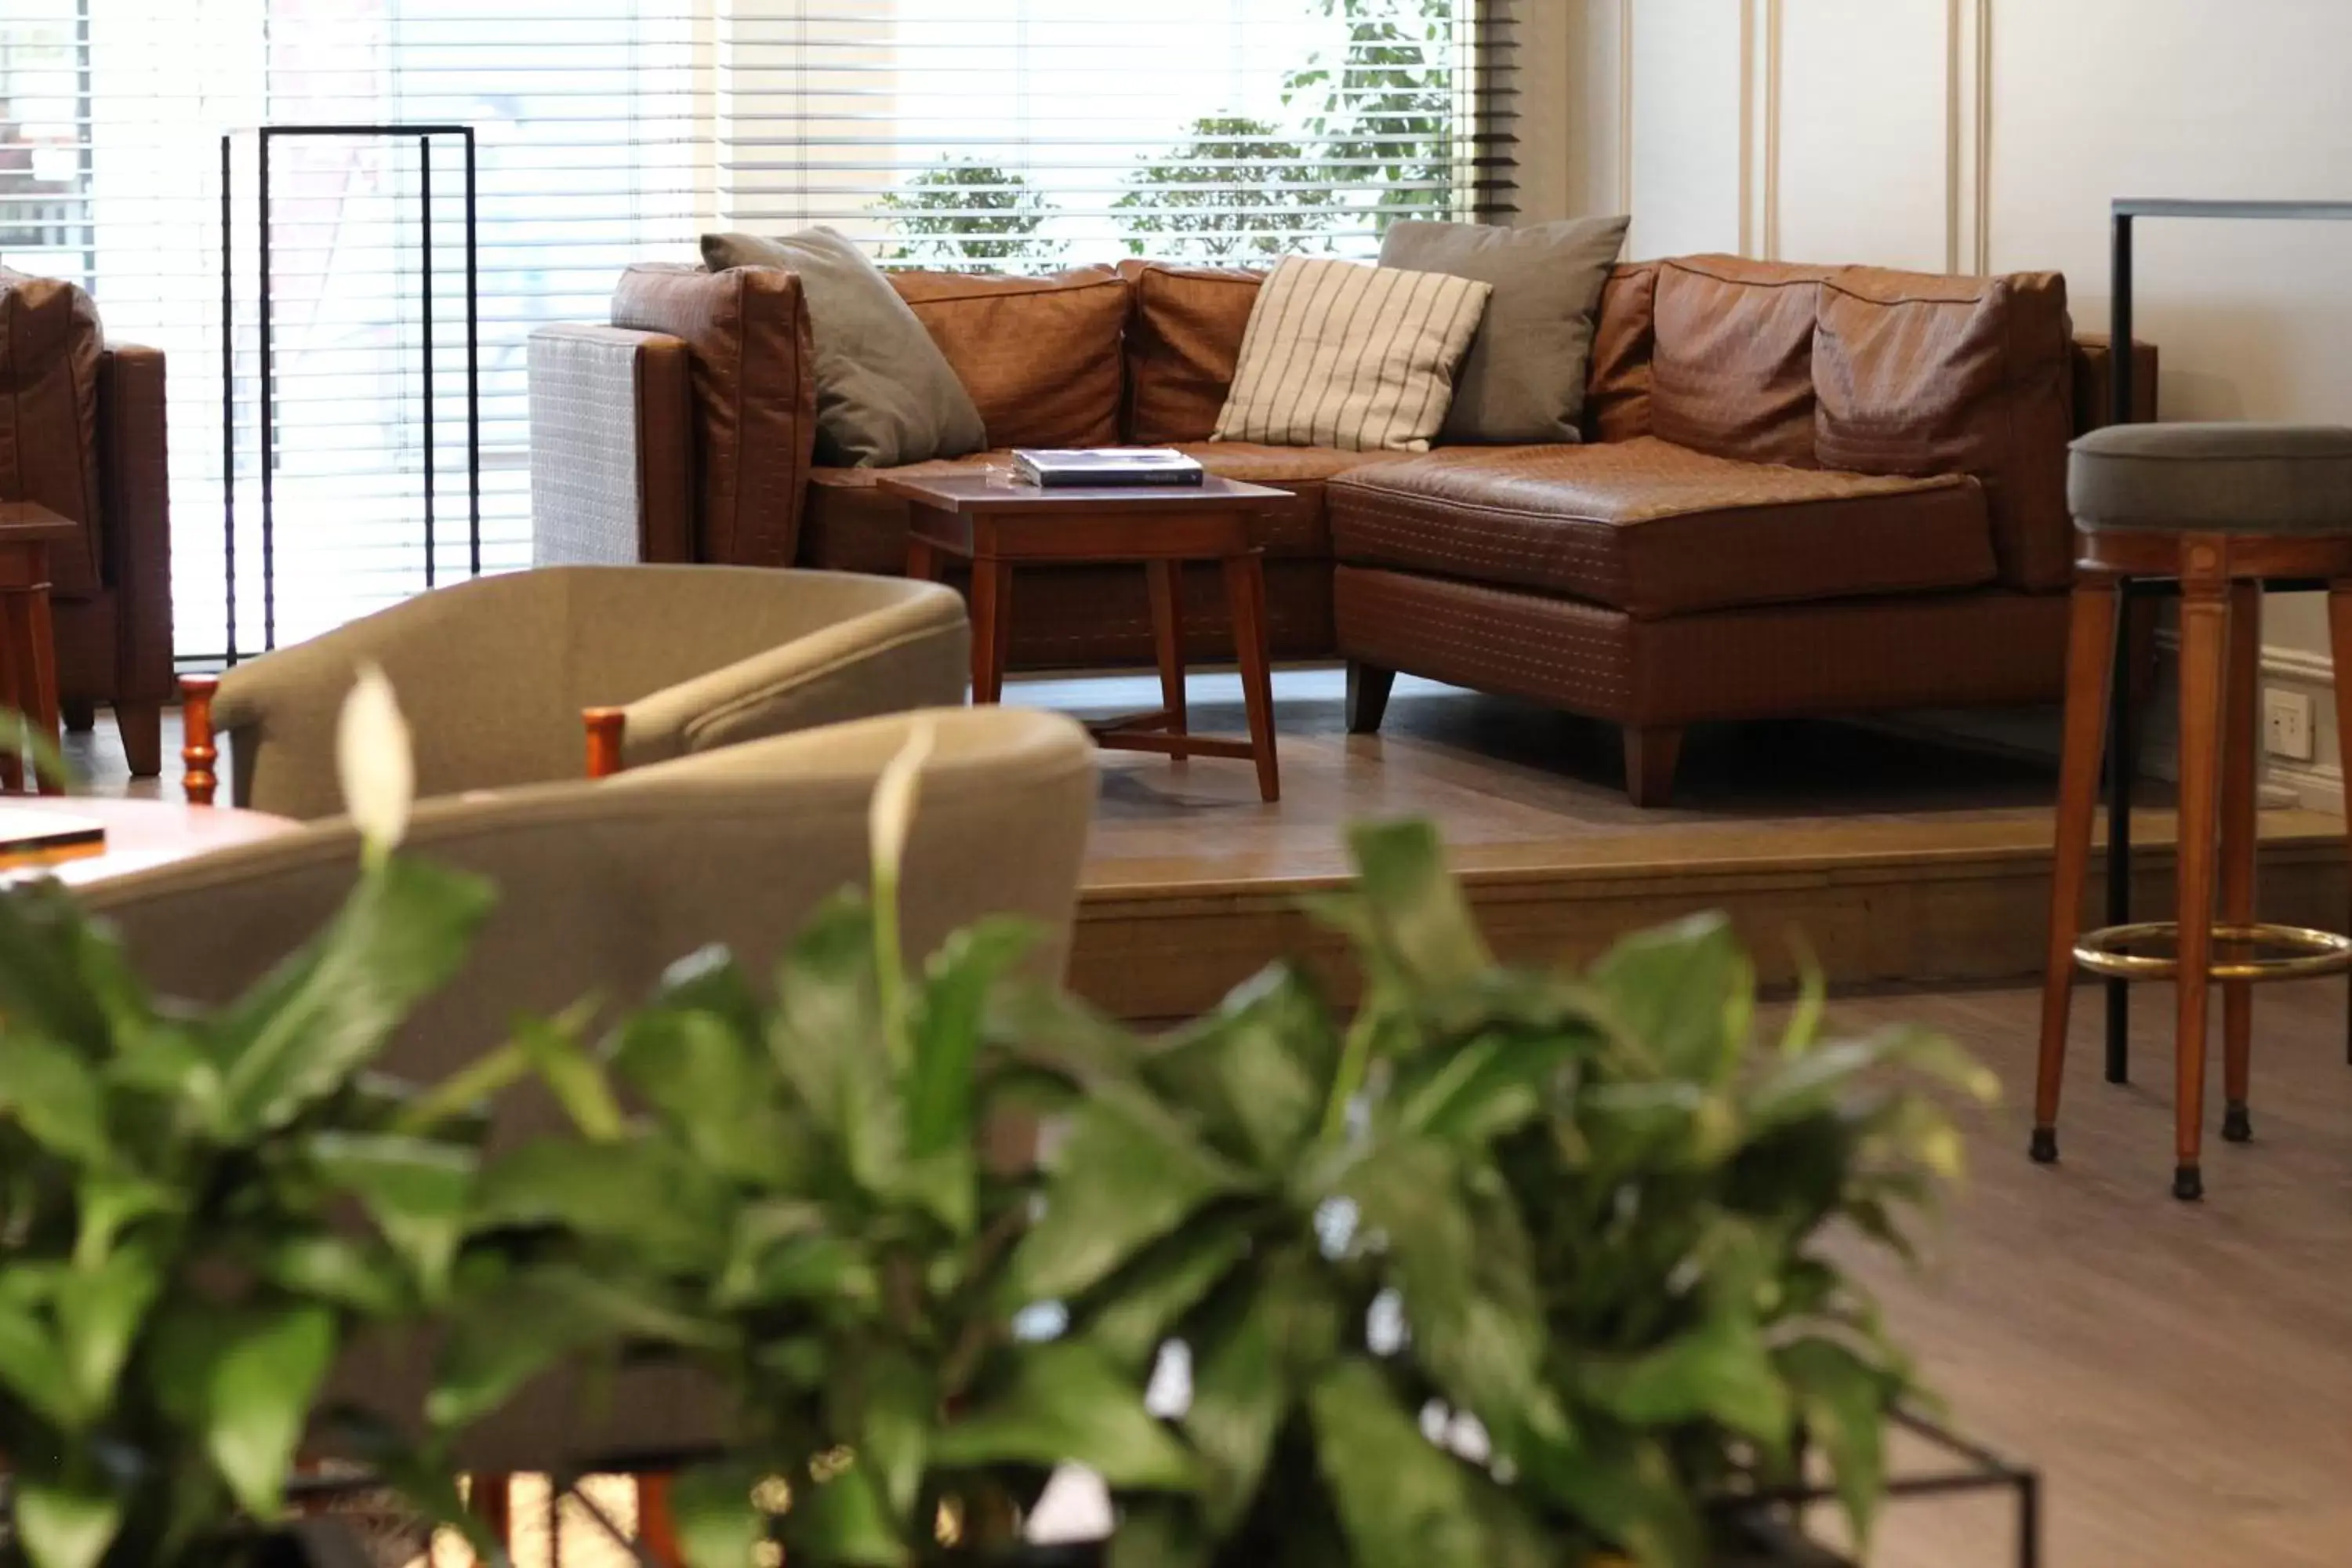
column 1805, row 489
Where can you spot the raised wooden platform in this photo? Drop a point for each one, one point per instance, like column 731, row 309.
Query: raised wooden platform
column 1889, row 859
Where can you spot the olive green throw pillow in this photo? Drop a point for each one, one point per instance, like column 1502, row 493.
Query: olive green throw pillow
column 885, row 394
column 1524, row 377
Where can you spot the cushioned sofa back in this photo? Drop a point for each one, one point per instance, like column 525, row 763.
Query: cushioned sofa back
column 1039, row 355
column 1184, row 331
column 1858, row 368
column 1917, row 374
column 49, row 351
column 753, row 379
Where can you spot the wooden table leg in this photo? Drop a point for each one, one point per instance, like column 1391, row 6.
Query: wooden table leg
column 922, row 561
column 991, row 626
column 1245, row 598
column 1167, row 579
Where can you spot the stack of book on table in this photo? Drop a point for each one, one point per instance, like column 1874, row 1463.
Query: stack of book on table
column 31, row 835
column 1058, row 468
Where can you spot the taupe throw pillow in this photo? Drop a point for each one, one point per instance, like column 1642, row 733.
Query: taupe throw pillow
column 885, row 394
column 1524, row 379
column 1340, row 354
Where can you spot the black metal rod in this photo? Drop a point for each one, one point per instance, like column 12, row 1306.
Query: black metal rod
column 2029, row 1520
column 473, row 377
column 268, row 431
column 424, row 259
column 2123, row 756
column 228, row 403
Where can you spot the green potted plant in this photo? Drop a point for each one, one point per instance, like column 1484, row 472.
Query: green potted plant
column 1512, row 1267
column 199, row 1208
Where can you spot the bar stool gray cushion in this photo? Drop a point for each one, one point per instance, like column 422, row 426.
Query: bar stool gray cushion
column 2213, row 478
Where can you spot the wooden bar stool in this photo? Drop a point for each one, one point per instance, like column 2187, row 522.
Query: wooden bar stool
column 2223, row 509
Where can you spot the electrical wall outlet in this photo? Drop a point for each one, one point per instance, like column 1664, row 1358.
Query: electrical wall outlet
column 2286, row 725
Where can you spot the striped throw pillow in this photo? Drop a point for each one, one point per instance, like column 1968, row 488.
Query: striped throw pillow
column 1340, row 354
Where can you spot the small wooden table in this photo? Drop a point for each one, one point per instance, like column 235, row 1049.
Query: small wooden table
column 29, row 651
column 997, row 522
column 143, row 834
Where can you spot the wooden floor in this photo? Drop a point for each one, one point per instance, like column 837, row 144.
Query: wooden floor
column 1896, row 859
column 2180, row 1373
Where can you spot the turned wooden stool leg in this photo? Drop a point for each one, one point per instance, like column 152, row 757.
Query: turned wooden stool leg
column 2339, row 637
column 2090, row 649
column 2204, row 653
column 656, row 1524
column 606, row 728
column 489, row 1496
column 2240, row 746
column 199, row 756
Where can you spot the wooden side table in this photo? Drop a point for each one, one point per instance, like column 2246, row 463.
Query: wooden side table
column 28, row 650
column 997, row 523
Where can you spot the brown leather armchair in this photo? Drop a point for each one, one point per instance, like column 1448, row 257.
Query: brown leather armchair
column 82, row 433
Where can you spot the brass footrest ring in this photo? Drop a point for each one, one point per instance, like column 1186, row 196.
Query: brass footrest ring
column 2311, row 954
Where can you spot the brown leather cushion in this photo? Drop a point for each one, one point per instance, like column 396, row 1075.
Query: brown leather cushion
column 49, row 345
column 854, row 526
column 1923, row 374
column 1039, row 355
column 1183, row 339
column 1732, row 372
column 1656, row 530
column 754, row 383
column 1617, row 392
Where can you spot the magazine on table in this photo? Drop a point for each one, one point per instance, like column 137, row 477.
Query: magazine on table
column 1056, row 467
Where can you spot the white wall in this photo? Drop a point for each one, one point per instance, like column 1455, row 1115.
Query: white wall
column 1990, row 135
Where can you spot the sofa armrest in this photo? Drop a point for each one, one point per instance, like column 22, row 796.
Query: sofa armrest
column 134, row 469
column 2095, row 382
column 611, row 448
column 915, row 653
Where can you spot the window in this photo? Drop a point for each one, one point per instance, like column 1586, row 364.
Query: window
column 1005, row 134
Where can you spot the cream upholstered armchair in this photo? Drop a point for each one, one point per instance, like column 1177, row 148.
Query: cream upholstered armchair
column 601, row 887
column 494, row 674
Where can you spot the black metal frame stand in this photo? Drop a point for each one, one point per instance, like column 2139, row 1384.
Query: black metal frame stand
column 2122, row 740
column 424, row 134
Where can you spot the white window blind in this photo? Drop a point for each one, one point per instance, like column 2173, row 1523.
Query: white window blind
column 1008, row 134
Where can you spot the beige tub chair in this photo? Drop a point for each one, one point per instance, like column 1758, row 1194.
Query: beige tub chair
column 494, row 674
column 602, row 886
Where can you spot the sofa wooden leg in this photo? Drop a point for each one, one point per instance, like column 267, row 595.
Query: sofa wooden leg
column 142, row 724
column 1651, row 753
column 80, row 714
column 1368, row 697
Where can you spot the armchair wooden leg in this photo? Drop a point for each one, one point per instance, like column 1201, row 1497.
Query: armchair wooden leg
column 1367, row 696
column 605, row 727
column 657, row 1525
column 1651, row 750
column 142, row 724
column 198, row 753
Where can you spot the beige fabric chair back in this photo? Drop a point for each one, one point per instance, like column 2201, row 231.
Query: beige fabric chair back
column 493, row 673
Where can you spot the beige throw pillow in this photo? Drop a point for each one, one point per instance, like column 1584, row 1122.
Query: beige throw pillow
column 1340, row 354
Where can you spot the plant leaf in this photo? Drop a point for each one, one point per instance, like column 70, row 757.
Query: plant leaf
column 1844, row 1402
column 1402, row 1501
column 99, row 1310
column 53, row 1096
column 843, row 1521
column 718, row 1525
column 417, row 1193
column 65, row 1523
column 949, row 1010
column 260, row 1372
column 669, row 1209
column 714, row 1089
column 570, row 1074
column 899, row 1400
column 1720, row 1370
column 1137, row 1173
column 1144, row 1300
column 33, row 1366
column 1067, row 1403
column 325, row 1011
column 1671, row 989
column 1424, row 922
